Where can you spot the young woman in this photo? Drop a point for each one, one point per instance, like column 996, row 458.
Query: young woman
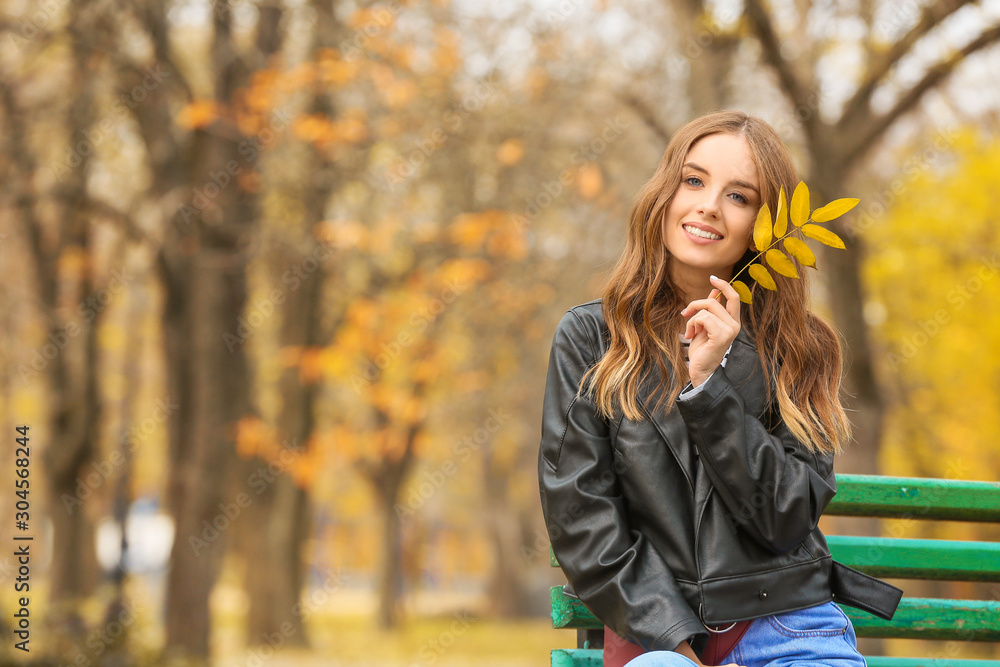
column 688, row 524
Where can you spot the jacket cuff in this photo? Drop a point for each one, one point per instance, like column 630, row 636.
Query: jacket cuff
column 690, row 390
column 683, row 631
column 701, row 399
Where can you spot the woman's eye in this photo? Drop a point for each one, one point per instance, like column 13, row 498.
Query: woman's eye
column 740, row 198
column 693, row 178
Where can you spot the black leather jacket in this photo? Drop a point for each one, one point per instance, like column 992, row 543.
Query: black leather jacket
column 706, row 514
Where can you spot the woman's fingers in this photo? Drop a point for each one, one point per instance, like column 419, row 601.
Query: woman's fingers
column 709, row 322
column 732, row 297
column 730, row 312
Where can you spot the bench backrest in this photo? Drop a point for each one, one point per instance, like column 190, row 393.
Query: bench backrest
column 918, row 618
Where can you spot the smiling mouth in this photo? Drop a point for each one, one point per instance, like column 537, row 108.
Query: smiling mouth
column 694, row 231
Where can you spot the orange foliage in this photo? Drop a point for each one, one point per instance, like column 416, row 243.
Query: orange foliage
column 198, row 114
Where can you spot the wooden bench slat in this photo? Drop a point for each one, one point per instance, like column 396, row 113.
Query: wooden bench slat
column 915, row 497
column 920, row 618
column 933, row 618
column 577, row 657
column 918, row 559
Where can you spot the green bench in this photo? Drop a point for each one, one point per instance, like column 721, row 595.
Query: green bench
column 917, row 618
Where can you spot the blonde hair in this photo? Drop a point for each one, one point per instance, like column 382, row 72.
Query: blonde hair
column 641, row 304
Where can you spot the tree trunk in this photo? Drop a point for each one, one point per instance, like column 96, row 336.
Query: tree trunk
column 390, row 587
column 204, row 505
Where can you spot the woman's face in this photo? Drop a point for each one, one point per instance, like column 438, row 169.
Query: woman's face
column 708, row 225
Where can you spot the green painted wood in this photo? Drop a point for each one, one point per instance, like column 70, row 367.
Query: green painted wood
column 921, row 618
column 915, row 497
column 918, row 559
column 569, row 612
column 577, row 657
column 932, row 618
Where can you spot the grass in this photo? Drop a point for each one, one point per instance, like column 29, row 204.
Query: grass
column 455, row 639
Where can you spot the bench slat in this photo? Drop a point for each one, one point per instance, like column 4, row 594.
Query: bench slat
column 918, row 559
column 915, row 497
column 577, row 657
column 932, row 618
column 919, row 618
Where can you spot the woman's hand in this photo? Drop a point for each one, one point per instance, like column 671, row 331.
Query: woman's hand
column 711, row 329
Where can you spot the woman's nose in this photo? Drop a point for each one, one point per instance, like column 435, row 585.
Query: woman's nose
column 709, row 205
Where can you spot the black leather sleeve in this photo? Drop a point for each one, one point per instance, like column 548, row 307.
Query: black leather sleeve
column 770, row 482
column 615, row 571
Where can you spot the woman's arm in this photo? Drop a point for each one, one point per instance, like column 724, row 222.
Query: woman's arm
column 615, row 571
column 771, row 484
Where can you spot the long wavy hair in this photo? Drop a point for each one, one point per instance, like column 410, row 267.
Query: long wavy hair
column 641, row 304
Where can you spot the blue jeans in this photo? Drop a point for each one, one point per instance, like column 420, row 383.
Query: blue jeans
column 818, row 636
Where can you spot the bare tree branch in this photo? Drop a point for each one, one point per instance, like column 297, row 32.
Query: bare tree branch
column 796, row 89
column 645, row 112
column 933, row 14
column 153, row 17
column 876, row 126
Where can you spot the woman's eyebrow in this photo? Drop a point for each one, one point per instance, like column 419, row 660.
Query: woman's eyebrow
column 743, row 184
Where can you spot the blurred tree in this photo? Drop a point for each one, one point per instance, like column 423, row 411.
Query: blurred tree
column 202, row 152
column 280, row 516
column 934, row 302
column 57, row 216
column 837, row 143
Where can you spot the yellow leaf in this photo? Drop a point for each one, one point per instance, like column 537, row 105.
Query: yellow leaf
column 742, row 289
column 590, row 181
column 779, row 261
column 510, row 152
column 760, row 274
column 798, row 249
column 762, row 228
column 834, row 209
column 781, row 215
column 823, row 235
column 799, row 209
column 469, row 230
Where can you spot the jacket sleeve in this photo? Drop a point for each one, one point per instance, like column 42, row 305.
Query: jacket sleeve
column 616, row 572
column 770, row 482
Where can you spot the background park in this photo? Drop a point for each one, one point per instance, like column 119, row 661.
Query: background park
column 278, row 281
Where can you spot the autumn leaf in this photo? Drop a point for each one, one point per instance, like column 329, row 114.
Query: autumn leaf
column 767, row 233
column 761, row 275
column 779, row 261
column 762, row 229
column 834, row 209
column 799, row 209
column 781, row 215
column 823, row 235
column 798, row 249
column 742, row 289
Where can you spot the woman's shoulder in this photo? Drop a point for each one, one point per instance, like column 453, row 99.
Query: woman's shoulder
column 584, row 321
column 591, row 309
